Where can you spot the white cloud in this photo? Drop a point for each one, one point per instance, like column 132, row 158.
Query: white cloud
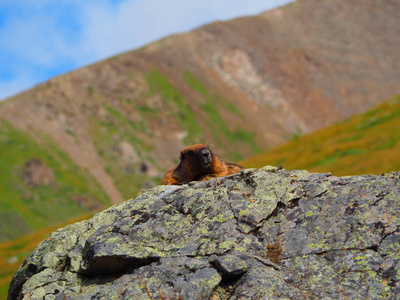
column 32, row 40
column 49, row 37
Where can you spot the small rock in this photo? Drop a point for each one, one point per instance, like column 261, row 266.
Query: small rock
column 36, row 172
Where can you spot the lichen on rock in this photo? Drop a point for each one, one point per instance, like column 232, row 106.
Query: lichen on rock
column 262, row 233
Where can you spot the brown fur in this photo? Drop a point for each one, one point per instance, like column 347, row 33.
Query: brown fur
column 198, row 163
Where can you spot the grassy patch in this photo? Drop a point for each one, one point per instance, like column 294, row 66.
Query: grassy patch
column 246, row 136
column 195, row 84
column 230, row 107
column 218, row 126
column 215, row 122
column 90, row 90
column 24, row 209
column 331, row 159
column 380, row 115
column 367, row 143
column 374, row 121
column 350, row 151
column 125, row 100
column 350, row 138
column 297, row 134
column 107, row 134
column 186, row 116
column 120, row 122
column 147, row 110
column 388, row 144
column 236, row 156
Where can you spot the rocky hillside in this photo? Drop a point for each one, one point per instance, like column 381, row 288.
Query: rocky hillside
column 113, row 128
column 266, row 233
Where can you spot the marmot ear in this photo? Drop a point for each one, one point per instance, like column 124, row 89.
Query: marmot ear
column 182, row 156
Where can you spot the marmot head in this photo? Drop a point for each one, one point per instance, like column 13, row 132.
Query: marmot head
column 197, row 159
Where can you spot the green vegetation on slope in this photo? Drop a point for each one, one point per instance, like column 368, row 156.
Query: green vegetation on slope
column 215, row 122
column 367, row 143
column 158, row 82
column 24, row 209
column 108, row 134
column 131, row 123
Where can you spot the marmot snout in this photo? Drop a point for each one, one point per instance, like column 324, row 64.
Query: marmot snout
column 205, row 157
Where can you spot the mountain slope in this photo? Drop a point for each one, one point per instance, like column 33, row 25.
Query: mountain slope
column 242, row 86
column 365, row 144
column 29, row 200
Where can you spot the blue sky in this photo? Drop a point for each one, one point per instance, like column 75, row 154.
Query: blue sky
column 40, row 39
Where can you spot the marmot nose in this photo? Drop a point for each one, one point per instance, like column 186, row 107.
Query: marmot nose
column 205, row 152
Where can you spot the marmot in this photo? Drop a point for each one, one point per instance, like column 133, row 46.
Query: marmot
column 198, row 163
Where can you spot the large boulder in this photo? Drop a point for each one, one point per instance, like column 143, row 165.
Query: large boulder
column 266, row 233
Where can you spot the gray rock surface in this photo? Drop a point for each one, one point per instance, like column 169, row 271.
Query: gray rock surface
column 260, row 234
